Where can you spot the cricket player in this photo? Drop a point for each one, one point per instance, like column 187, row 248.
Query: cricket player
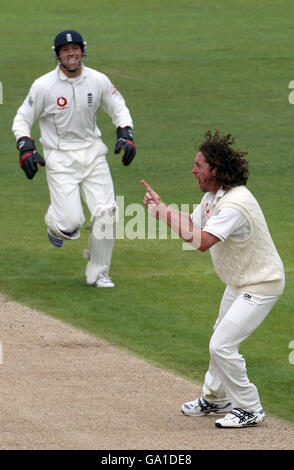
column 230, row 223
column 66, row 101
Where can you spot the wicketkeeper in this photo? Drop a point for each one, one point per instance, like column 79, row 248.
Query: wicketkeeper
column 66, row 101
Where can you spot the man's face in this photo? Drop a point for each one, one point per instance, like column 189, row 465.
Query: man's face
column 70, row 56
column 205, row 175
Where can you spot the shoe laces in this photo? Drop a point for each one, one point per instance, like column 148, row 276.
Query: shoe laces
column 242, row 415
column 205, row 406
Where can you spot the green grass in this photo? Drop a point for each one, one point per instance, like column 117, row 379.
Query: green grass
column 183, row 67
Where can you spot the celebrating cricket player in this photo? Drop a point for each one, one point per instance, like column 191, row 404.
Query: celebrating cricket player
column 66, row 101
column 230, row 223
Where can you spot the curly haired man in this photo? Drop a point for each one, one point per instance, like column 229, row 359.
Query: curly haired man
column 230, row 223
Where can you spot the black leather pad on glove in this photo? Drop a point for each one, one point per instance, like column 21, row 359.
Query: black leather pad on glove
column 125, row 142
column 28, row 156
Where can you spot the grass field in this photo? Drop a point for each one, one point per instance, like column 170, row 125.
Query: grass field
column 183, row 67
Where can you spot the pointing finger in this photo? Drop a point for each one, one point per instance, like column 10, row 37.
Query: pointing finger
column 148, row 188
column 146, row 185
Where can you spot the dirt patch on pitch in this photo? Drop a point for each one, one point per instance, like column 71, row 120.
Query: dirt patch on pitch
column 64, row 389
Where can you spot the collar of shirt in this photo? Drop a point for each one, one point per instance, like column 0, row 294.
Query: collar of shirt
column 62, row 76
column 214, row 197
column 210, row 199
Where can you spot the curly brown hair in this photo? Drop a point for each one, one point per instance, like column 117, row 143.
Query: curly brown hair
column 231, row 165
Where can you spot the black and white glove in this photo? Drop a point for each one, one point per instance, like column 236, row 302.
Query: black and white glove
column 28, row 156
column 126, row 142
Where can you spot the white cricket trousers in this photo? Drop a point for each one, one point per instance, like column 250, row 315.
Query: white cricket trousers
column 226, row 379
column 75, row 173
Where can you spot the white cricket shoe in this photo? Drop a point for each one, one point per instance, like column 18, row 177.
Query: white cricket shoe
column 239, row 418
column 201, row 407
column 104, row 281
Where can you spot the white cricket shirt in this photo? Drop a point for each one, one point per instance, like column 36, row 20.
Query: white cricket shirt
column 228, row 222
column 67, row 109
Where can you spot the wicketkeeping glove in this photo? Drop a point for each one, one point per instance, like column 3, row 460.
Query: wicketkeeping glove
column 28, row 156
column 126, row 142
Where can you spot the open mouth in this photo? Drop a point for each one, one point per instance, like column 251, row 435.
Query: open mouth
column 72, row 61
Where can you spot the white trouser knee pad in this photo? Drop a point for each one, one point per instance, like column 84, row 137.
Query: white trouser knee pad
column 101, row 242
column 54, row 230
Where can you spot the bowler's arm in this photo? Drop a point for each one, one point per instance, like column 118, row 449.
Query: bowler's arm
column 179, row 222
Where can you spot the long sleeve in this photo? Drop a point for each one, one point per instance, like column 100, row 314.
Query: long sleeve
column 28, row 113
column 114, row 105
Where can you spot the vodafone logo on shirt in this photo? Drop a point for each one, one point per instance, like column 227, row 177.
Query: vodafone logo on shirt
column 61, row 101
